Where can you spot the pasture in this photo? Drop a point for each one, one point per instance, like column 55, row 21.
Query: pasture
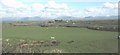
column 71, row 40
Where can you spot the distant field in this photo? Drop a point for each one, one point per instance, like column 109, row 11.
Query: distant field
column 72, row 40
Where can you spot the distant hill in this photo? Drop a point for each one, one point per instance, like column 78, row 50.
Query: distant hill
column 101, row 18
column 37, row 18
column 67, row 18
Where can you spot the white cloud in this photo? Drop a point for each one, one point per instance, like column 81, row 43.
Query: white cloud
column 14, row 8
column 97, row 0
column 93, row 11
column 13, row 3
column 111, row 5
column 51, row 9
column 54, row 5
column 107, row 9
column 38, row 7
column 100, row 12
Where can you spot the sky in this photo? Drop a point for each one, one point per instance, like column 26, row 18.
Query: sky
column 56, row 8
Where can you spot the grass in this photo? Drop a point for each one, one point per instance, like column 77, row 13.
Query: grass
column 85, row 40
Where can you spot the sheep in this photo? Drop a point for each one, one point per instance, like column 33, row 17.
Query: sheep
column 52, row 38
column 7, row 40
column 67, row 21
column 73, row 23
column 21, row 40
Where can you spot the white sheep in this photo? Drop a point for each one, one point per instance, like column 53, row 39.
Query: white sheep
column 73, row 23
column 67, row 21
column 52, row 38
column 118, row 37
column 7, row 40
column 21, row 40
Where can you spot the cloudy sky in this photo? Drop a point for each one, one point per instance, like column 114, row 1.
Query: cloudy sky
column 56, row 8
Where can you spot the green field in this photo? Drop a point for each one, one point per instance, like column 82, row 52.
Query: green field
column 84, row 40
